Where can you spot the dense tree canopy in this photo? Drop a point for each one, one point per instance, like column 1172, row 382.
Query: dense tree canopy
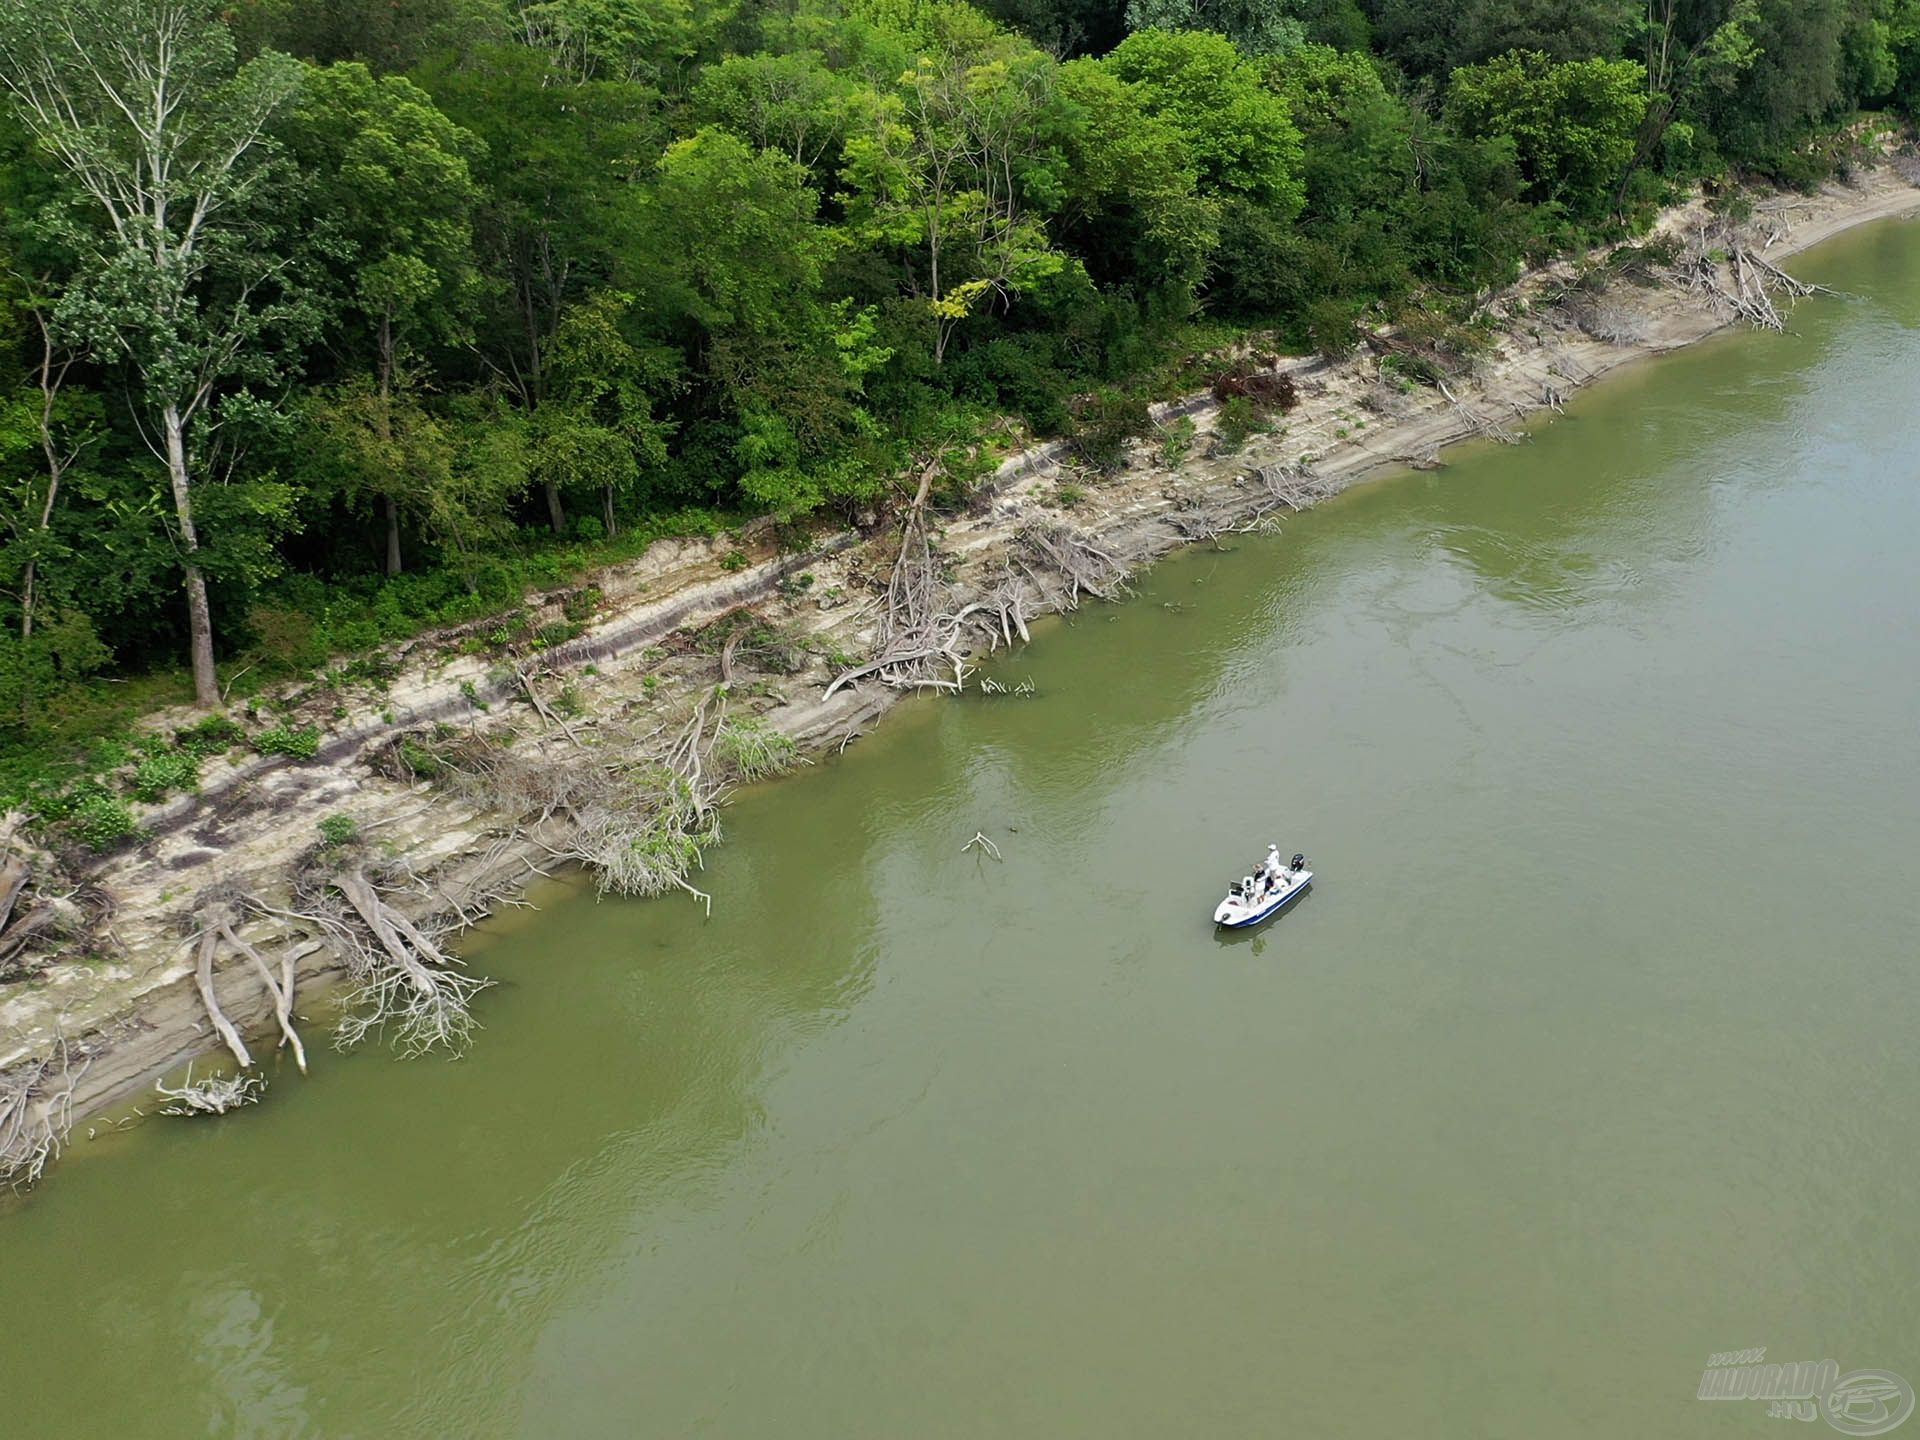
column 363, row 306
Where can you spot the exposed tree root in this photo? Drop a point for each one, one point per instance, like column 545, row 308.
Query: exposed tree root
column 403, row 986
column 1083, row 567
column 36, row 1114
column 922, row 642
column 220, row 910
column 639, row 815
column 208, row 942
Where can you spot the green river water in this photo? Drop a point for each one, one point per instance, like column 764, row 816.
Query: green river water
column 1591, row 1053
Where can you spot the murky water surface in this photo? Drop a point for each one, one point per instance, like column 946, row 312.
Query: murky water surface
column 1591, row 1053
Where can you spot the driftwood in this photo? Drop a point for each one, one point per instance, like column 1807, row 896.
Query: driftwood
column 1293, row 484
column 215, row 1095
column 1477, row 423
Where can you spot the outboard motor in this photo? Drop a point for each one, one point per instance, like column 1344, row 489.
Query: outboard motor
column 1299, row 863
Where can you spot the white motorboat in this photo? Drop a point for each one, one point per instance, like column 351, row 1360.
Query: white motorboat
column 1271, row 888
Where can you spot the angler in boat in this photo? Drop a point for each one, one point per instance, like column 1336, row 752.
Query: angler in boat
column 1255, row 897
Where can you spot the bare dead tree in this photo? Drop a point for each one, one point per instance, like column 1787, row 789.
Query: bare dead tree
column 923, row 638
column 1719, row 265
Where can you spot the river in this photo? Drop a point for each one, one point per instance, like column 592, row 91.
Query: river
column 1591, row 1052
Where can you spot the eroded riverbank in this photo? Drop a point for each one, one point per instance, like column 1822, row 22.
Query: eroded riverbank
column 136, row 1014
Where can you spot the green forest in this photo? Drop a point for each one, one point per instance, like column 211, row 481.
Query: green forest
column 325, row 321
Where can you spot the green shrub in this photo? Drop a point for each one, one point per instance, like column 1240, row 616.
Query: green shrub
column 162, row 771
column 1176, row 441
column 100, row 819
column 420, row 759
column 212, row 736
column 754, row 749
column 1103, row 423
column 1239, row 420
column 339, row 830
column 1332, row 327
column 301, row 744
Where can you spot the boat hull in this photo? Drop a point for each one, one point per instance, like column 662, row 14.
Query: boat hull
column 1227, row 919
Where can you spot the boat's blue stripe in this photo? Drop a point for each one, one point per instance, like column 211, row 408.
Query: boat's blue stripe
column 1285, row 900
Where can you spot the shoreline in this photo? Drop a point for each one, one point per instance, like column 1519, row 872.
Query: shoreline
column 126, row 1022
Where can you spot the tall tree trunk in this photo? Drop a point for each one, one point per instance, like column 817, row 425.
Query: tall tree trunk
column 206, row 680
column 534, row 388
column 386, row 437
column 606, row 509
column 52, row 376
column 393, row 535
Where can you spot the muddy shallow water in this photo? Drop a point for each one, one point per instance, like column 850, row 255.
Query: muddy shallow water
column 1589, row 1055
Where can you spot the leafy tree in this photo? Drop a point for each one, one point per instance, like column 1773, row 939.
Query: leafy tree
column 742, row 257
column 177, row 273
column 386, row 35
column 957, row 171
column 1559, row 29
column 598, row 432
column 1132, row 207
column 1794, row 71
column 1238, row 133
column 793, row 103
column 562, row 158
column 1695, row 54
column 1572, row 126
column 1065, row 27
column 1357, row 154
column 620, row 40
column 1256, row 27
column 395, row 197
